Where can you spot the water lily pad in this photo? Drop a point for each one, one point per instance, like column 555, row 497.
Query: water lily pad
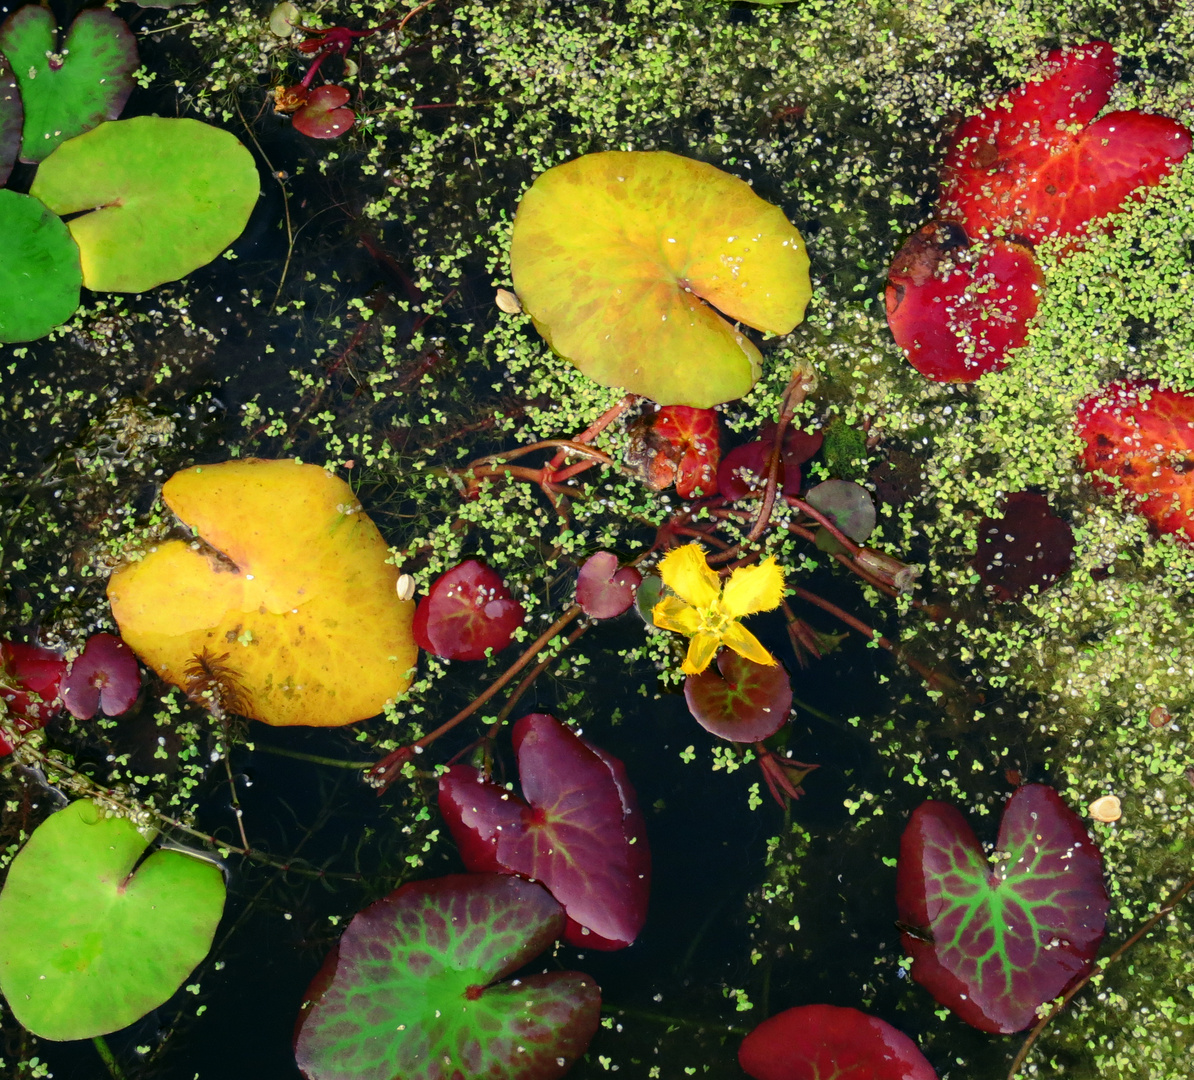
column 993, row 938
column 104, row 674
column 579, row 831
column 39, row 269
column 324, row 115
column 824, row 1042
column 287, row 610
column 1139, row 441
column 12, row 119
column 93, row 936
column 161, row 197
column 1026, row 549
column 466, row 613
column 414, row 991
column 604, row 591
column 847, row 504
column 70, row 90
column 633, row 265
column 746, row 702
column 676, row 445
column 29, row 679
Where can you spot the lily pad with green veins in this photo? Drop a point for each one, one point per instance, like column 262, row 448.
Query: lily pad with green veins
column 92, row 936
column 637, row 265
column 164, row 197
column 39, row 269
column 71, row 89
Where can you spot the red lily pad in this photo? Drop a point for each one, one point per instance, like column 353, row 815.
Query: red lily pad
column 746, row 702
column 695, row 436
column 104, row 675
column 603, row 590
column 29, row 682
column 956, row 310
column 1027, row 549
column 1139, row 440
column 578, row 830
column 414, row 994
column 467, row 612
column 824, row 1042
column 324, row 116
column 1034, row 165
column 993, row 938
column 743, row 470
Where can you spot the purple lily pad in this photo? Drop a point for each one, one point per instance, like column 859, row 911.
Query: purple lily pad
column 414, row 990
column 579, row 831
column 847, row 504
column 824, row 1042
column 105, row 675
column 745, row 703
column 325, row 116
column 12, row 119
column 1027, row 549
column 994, row 938
column 743, row 471
column 467, row 612
column 603, row 590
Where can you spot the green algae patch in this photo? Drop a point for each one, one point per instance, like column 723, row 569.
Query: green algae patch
column 635, row 266
column 92, row 935
column 156, row 198
column 39, row 271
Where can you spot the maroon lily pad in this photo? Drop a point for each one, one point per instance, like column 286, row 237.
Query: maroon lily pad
column 324, row 115
column 1027, row 549
column 578, row 830
column 12, row 119
column 956, row 310
column 603, row 590
column 1034, row 165
column 467, row 612
column 29, row 684
column 105, row 675
column 847, row 504
column 994, row 938
column 745, row 703
column 824, row 1042
column 743, row 470
column 411, row 990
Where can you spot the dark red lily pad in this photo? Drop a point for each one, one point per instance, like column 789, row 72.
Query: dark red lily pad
column 1034, row 166
column 29, row 683
column 743, row 470
column 745, row 703
column 578, row 830
column 603, row 590
column 1025, row 550
column 824, row 1042
column 414, row 993
column 12, row 119
column 994, row 938
column 847, row 504
column 956, row 310
column 1139, row 440
column 324, row 116
column 105, row 675
column 467, row 612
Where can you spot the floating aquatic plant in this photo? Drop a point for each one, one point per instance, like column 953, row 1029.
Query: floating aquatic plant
column 1024, row 550
column 604, row 590
column 40, row 275
column 742, row 701
column 104, row 675
column 30, row 677
column 467, row 613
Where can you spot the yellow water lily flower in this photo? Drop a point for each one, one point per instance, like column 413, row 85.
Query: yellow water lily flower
column 708, row 613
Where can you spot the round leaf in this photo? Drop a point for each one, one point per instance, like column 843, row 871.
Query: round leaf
column 745, row 703
column 105, row 674
column 1027, row 549
column 92, row 937
column 68, row 91
column 324, row 115
column 848, row 505
column 604, row 591
column 412, row 993
column 12, row 119
column 39, row 269
column 466, row 613
column 162, row 196
column 628, row 261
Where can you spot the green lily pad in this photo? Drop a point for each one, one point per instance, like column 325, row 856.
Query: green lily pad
column 12, row 119
column 68, row 91
column 636, row 266
column 165, row 197
column 90, row 938
column 39, row 269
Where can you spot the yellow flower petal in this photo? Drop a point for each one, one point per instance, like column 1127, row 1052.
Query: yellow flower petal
column 671, row 613
column 753, row 588
column 745, row 644
column 701, row 649
column 686, row 573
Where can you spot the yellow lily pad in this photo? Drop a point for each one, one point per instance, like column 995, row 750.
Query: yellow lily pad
column 284, row 606
column 636, row 265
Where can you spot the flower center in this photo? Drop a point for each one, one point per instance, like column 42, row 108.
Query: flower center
column 714, row 619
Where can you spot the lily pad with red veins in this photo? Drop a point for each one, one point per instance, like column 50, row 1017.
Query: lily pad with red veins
column 825, row 1042
column 604, row 591
column 467, row 612
column 636, row 266
column 1034, row 165
column 577, row 829
column 957, row 311
column 105, row 675
column 1139, row 441
column 324, row 115
column 994, row 937
column 1025, row 550
column 742, row 701
column 414, row 991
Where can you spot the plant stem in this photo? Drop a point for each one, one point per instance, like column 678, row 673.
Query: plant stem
column 108, row 1058
column 315, row 759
